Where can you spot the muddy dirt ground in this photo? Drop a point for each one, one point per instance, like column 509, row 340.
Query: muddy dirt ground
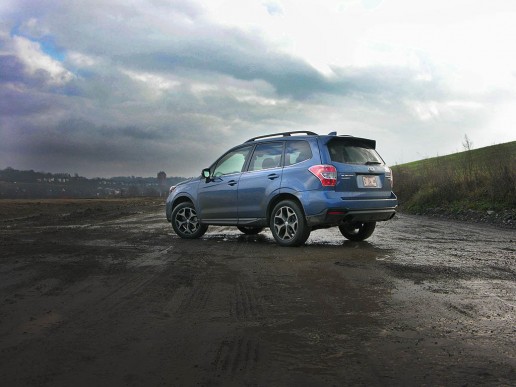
column 102, row 293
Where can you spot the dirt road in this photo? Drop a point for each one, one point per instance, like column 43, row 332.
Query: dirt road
column 97, row 294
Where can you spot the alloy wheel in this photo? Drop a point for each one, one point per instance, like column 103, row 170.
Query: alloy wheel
column 186, row 221
column 285, row 223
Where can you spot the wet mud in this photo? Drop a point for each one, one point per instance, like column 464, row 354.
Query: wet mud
column 105, row 294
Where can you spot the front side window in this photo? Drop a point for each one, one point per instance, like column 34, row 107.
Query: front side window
column 232, row 162
column 266, row 156
column 353, row 153
column 297, row 151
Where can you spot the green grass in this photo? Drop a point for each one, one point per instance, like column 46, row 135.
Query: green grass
column 478, row 179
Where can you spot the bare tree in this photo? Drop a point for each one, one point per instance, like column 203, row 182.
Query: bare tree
column 467, row 144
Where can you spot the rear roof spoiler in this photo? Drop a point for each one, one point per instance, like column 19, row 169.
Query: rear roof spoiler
column 367, row 142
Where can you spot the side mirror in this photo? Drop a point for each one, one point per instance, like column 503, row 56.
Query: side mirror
column 206, row 173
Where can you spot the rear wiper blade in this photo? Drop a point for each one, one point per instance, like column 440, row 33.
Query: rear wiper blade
column 373, row 163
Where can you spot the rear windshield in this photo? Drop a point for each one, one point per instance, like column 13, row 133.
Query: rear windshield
column 353, row 152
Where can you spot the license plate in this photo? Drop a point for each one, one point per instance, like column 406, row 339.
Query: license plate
column 369, row 181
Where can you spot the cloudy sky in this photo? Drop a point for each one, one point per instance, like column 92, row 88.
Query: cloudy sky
column 110, row 88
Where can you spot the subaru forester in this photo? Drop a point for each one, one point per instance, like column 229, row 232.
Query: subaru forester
column 292, row 183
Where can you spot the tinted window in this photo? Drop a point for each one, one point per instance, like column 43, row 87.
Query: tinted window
column 233, row 162
column 353, row 153
column 297, row 151
column 266, row 156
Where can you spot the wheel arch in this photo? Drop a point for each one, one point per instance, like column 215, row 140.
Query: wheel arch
column 181, row 199
column 280, row 197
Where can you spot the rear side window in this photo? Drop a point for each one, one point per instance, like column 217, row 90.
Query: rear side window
column 266, row 156
column 353, row 153
column 297, row 151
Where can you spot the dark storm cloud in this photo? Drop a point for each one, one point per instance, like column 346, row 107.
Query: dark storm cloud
column 17, row 103
column 289, row 77
column 11, row 69
column 98, row 151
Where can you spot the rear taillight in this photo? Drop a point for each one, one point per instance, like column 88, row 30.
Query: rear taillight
column 389, row 175
column 327, row 174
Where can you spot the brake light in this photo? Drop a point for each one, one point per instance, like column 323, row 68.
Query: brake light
column 389, row 175
column 327, row 174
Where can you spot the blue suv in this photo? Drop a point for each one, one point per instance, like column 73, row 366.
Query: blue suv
column 293, row 183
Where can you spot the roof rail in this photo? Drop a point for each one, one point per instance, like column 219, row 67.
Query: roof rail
column 284, row 134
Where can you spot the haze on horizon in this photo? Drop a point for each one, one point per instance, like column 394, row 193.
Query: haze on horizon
column 117, row 88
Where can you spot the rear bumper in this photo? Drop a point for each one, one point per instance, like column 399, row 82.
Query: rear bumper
column 330, row 208
column 339, row 216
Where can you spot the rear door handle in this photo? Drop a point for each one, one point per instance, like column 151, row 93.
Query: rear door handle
column 273, row 176
column 232, row 182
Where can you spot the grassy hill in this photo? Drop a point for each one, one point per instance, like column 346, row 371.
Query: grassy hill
column 481, row 179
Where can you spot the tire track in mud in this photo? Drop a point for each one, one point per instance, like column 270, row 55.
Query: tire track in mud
column 141, row 289
column 236, row 356
column 95, row 313
column 244, row 305
column 197, row 298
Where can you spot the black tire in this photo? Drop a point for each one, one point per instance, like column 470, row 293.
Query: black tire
column 357, row 231
column 185, row 222
column 288, row 224
column 249, row 230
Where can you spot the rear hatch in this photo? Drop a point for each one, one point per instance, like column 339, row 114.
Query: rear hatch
column 361, row 172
